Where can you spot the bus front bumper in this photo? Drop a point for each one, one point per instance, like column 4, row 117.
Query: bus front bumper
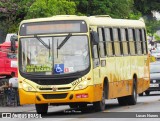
column 85, row 95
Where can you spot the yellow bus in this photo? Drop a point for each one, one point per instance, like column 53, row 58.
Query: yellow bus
column 79, row 60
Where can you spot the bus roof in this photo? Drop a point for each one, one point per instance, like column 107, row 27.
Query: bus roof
column 99, row 20
column 111, row 22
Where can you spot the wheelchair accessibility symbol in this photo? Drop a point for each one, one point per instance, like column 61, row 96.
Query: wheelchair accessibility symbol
column 59, row 68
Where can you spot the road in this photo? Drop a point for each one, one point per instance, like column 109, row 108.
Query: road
column 148, row 104
column 145, row 104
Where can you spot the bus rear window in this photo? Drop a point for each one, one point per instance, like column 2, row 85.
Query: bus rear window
column 53, row 27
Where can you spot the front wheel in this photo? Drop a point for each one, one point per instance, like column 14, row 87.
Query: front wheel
column 41, row 108
column 100, row 105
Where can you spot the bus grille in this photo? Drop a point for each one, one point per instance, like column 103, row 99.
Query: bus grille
column 54, row 81
column 60, row 88
column 54, row 96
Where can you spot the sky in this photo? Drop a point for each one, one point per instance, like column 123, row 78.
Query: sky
column 157, row 15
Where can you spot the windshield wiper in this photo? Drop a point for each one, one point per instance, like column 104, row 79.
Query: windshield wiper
column 64, row 41
column 48, row 47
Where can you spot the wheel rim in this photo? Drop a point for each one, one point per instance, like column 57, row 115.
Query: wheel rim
column 135, row 94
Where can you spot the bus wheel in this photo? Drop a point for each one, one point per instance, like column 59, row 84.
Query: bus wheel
column 100, row 105
column 132, row 99
column 122, row 101
column 147, row 93
column 41, row 108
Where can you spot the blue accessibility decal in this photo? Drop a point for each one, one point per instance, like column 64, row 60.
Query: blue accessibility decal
column 59, row 68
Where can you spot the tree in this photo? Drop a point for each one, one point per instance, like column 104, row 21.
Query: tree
column 11, row 13
column 147, row 6
column 114, row 8
column 157, row 37
column 47, row 8
column 152, row 26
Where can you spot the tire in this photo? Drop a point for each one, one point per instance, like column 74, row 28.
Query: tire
column 41, row 108
column 122, row 101
column 132, row 99
column 100, row 105
column 141, row 94
column 147, row 93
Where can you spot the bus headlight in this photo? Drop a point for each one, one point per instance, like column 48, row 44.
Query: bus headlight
column 27, row 87
column 82, row 85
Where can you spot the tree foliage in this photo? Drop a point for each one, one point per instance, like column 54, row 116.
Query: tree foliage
column 147, row 6
column 114, row 8
column 152, row 26
column 46, row 8
column 157, row 37
column 12, row 12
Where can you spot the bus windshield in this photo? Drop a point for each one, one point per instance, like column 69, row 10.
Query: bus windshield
column 36, row 59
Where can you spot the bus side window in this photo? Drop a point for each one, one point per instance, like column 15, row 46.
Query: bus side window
column 124, row 42
column 143, row 41
column 131, row 42
column 138, row 42
column 102, row 42
column 128, row 42
column 112, row 40
column 109, row 47
column 95, row 56
column 120, row 41
column 116, row 42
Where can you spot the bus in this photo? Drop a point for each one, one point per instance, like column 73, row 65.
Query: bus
column 80, row 61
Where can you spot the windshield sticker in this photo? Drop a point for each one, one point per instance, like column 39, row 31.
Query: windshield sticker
column 38, row 68
column 59, row 68
column 68, row 69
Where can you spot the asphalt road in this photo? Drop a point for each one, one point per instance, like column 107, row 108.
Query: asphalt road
column 113, row 109
column 147, row 108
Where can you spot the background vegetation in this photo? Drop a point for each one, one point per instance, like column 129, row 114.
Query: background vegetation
column 12, row 12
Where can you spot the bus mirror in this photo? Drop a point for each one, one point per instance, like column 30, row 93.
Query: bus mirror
column 94, row 37
column 13, row 40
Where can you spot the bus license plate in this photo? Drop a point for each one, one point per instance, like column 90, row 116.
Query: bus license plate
column 154, row 85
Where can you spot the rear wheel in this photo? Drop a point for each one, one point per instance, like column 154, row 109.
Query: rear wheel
column 122, row 101
column 41, row 108
column 100, row 105
column 132, row 99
